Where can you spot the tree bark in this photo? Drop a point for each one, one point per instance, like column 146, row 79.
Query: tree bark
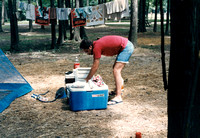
column 13, row 26
column 184, row 71
column 53, row 29
column 133, row 22
column 155, row 20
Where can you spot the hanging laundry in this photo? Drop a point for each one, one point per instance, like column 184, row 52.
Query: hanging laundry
column 116, row 9
column 42, row 15
column 126, row 12
column 63, row 13
column 30, row 12
column 78, row 16
column 119, row 5
column 21, row 5
column 97, row 16
column 109, row 7
column 115, row 6
column 52, row 13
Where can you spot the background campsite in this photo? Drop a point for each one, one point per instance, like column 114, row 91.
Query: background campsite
column 42, row 54
column 144, row 108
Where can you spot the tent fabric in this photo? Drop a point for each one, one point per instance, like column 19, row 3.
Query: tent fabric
column 12, row 83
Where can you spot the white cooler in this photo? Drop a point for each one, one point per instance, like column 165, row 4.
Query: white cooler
column 86, row 96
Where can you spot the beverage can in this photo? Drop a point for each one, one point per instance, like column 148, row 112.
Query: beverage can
column 76, row 65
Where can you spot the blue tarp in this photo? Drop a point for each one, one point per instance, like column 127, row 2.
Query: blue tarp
column 12, row 83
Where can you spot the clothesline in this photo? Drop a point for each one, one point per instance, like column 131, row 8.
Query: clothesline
column 83, row 16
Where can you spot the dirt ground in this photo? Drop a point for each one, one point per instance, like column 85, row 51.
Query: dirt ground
column 144, row 107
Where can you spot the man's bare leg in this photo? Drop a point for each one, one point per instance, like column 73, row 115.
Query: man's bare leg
column 118, row 66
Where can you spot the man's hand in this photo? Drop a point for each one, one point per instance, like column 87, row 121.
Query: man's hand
column 93, row 70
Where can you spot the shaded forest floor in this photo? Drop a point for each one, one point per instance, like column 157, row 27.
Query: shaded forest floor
column 144, row 106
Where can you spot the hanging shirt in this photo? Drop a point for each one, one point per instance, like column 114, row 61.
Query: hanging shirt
column 63, row 13
column 30, row 12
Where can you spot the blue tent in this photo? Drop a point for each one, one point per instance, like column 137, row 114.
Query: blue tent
column 12, row 83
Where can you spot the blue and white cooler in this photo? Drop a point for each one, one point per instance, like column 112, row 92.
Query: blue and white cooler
column 86, row 96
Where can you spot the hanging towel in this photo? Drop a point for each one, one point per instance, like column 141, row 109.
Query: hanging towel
column 42, row 15
column 30, row 12
column 109, row 7
column 97, row 16
column 78, row 17
column 63, row 13
column 126, row 13
column 115, row 6
column 25, row 6
column 119, row 6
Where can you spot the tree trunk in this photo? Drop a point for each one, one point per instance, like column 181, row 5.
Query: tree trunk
column 40, row 3
column 163, row 46
column 83, row 34
column 53, row 29
column 147, row 10
column 77, row 29
column 61, row 25
column 30, row 21
column 184, row 71
column 13, row 26
column 1, row 30
column 70, row 25
column 3, row 12
column 141, row 22
column 67, row 5
column 167, row 24
column 155, row 20
column 133, row 23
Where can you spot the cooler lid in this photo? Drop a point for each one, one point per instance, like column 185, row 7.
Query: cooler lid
column 83, row 86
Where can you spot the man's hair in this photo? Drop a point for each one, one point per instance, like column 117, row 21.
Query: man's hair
column 85, row 44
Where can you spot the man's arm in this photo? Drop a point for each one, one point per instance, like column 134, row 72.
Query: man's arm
column 93, row 70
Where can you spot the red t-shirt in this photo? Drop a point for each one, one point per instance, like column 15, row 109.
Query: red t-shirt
column 109, row 46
